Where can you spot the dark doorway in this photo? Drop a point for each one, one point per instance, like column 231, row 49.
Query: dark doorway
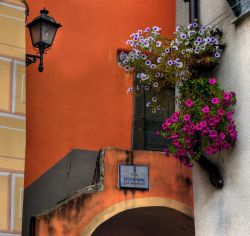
column 147, row 221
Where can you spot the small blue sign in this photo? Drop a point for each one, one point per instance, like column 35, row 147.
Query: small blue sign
column 133, row 176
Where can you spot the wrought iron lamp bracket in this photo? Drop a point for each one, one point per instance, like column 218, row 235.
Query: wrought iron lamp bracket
column 31, row 58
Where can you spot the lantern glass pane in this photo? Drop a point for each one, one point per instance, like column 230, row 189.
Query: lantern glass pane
column 48, row 33
column 35, row 32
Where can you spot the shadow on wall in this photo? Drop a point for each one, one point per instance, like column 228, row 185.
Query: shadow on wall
column 75, row 171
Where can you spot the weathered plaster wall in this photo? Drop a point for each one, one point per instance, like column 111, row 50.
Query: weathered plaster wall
column 80, row 100
column 226, row 212
column 170, row 186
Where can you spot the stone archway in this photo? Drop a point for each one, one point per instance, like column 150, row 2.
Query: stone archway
column 143, row 215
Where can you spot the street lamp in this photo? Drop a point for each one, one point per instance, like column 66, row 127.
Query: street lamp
column 42, row 31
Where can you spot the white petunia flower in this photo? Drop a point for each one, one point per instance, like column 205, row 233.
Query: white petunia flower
column 159, row 60
column 130, row 90
column 154, row 99
column 155, row 84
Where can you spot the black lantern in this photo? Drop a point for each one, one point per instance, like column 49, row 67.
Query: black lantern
column 42, row 31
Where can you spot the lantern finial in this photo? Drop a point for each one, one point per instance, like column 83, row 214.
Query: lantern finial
column 44, row 11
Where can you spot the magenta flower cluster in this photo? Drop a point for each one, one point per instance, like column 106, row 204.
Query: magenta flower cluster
column 201, row 126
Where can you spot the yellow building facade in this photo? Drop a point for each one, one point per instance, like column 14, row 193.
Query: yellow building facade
column 12, row 115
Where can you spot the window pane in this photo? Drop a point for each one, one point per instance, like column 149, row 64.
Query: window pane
column 146, row 124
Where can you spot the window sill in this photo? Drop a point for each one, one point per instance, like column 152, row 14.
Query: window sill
column 242, row 16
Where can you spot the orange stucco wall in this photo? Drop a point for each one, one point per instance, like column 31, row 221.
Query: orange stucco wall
column 80, row 100
column 169, row 179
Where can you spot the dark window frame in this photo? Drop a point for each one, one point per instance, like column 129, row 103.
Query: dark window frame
column 146, row 124
column 239, row 7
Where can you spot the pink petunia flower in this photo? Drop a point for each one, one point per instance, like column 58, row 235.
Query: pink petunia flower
column 191, row 132
column 212, row 81
column 230, row 116
column 187, row 140
column 168, row 122
column 176, row 143
column 205, row 109
column 174, row 118
column 211, row 122
column 184, row 129
column 222, row 136
column 221, row 112
column 215, row 100
column 205, row 131
column 233, row 135
column 192, row 126
column 203, row 123
column 226, row 145
column 210, row 150
column 189, row 145
column 217, row 119
column 227, row 96
column 175, row 135
column 186, row 117
column 212, row 134
column 198, row 127
column 164, row 126
column 189, row 102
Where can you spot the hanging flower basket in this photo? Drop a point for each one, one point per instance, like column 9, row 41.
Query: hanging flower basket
column 160, row 62
column 203, row 125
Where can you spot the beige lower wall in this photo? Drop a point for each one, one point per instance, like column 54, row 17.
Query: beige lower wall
column 12, row 25
column 4, row 200
column 11, row 198
column 5, row 72
column 12, row 164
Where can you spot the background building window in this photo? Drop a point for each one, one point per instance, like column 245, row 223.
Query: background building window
column 239, row 6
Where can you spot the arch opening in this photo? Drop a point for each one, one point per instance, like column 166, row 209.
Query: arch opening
column 147, row 221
